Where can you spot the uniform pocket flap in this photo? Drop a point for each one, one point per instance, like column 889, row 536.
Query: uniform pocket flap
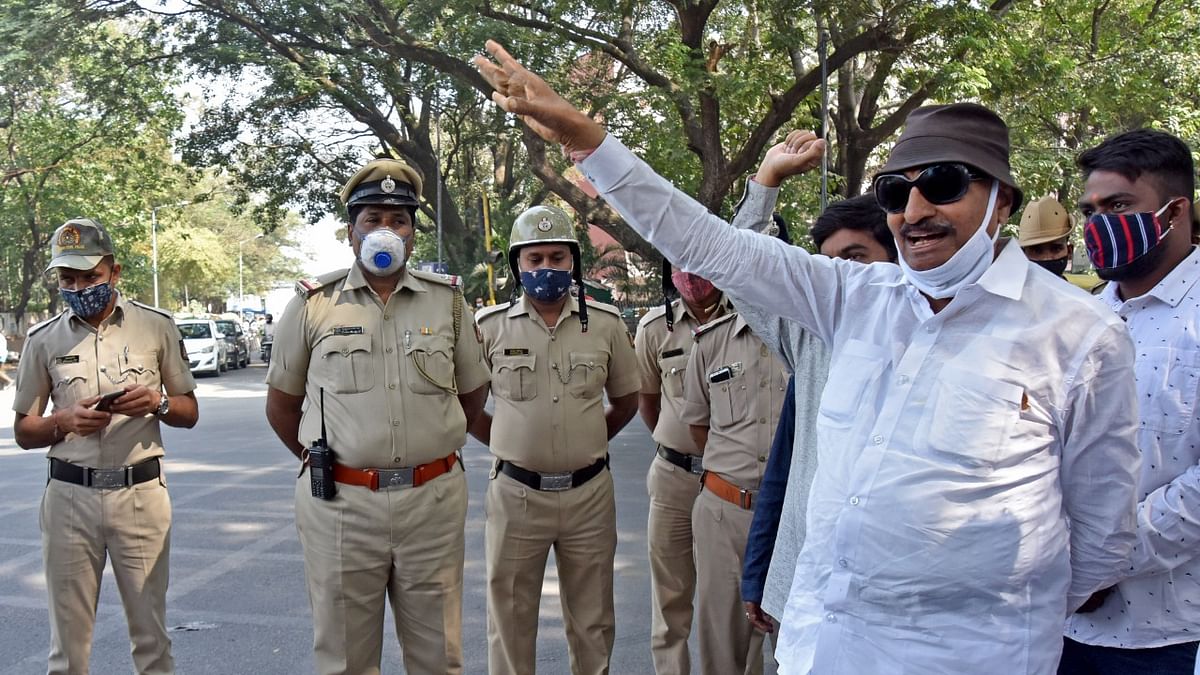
column 344, row 344
column 139, row 363
column 428, row 344
column 525, row 361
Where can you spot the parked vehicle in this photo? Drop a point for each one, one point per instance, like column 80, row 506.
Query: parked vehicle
column 238, row 346
column 205, row 345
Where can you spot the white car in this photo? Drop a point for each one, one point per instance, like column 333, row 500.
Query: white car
column 205, row 345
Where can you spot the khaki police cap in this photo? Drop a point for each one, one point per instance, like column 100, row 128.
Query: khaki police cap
column 388, row 182
column 1043, row 221
column 79, row 244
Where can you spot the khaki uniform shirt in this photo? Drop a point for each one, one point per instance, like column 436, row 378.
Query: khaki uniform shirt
column 548, row 385
column 741, row 412
column 66, row 360
column 391, row 373
column 663, row 358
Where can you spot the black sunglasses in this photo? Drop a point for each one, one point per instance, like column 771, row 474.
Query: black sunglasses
column 938, row 183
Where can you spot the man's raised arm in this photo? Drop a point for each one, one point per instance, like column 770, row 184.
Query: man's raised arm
column 783, row 279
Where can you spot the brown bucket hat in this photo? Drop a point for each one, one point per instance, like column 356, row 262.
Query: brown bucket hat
column 959, row 132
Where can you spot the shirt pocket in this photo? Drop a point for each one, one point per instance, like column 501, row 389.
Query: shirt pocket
column 430, row 365
column 672, row 370
column 970, row 418
column 853, row 378
column 589, row 372
column 514, row 377
column 140, row 368
column 728, row 400
column 1170, row 378
column 346, row 363
column 72, row 381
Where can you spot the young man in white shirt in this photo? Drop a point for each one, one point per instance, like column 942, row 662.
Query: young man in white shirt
column 1137, row 202
column 974, row 408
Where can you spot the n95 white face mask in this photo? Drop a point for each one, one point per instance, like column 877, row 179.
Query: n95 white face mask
column 383, row 252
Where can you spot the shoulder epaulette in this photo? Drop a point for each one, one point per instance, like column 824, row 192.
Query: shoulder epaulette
column 489, row 311
column 156, row 310
column 306, row 287
column 604, row 308
column 701, row 330
column 451, row 280
column 653, row 314
column 1098, row 288
column 38, row 326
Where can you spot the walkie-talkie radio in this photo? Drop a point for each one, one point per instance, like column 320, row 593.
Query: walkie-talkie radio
column 320, row 462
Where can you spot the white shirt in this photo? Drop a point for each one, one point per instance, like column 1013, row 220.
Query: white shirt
column 1160, row 605
column 953, row 448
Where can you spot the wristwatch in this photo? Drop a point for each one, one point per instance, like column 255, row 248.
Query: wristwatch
column 164, row 404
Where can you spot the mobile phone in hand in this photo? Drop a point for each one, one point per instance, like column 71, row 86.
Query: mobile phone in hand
column 106, row 401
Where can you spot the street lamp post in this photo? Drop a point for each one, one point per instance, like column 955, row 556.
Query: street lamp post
column 154, row 240
column 241, row 289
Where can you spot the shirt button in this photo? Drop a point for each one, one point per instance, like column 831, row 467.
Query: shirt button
column 762, row 420
column 391, row 386
column 763, row 384
column 555, row 399
column 100, row 338
column 830, row 618
column 395, row 423
column 842, row 562
column 103, row 369
column 553, row 339
column 854, row 501
column 877, row 439
column 387, row 317
column 903, row 379
column 930, row 329
column 345, row 350
column 762, row 458
column 396, row 460
column 388, row 350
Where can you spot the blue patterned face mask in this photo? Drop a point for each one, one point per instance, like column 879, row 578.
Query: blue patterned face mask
column 88, row 302
column 546, row 284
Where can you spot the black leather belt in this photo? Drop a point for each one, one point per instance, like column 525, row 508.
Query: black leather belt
column 105, row 479
column 552, row 482
column 690, row 463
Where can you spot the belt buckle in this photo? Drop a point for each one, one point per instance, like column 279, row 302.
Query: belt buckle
column 744, row 498
column 696, row 465
column 554, row 482
column 108, row 479
column 392, row 478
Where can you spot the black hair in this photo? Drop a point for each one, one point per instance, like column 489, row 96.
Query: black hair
column 856, row 213
column 353, row 211
column 1145, row 151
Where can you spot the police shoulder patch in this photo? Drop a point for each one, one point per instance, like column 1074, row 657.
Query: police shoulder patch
column 708, row 327
column 306, row 287
column 492, row 311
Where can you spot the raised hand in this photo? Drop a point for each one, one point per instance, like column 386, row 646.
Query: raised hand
column 526, row 95
column 801, row 151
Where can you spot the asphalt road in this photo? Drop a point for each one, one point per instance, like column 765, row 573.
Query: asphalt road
column 237, row 602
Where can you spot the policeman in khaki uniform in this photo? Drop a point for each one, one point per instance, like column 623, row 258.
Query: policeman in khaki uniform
column 398, row 357
column 114, row 370
column 733, row 390
column 663, row 344
column 552, row 361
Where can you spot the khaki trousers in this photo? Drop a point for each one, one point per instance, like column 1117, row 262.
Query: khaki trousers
column 81, row 526
column 523, row 524
column 728, row 643
column 405, row 544
column 672, row 566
